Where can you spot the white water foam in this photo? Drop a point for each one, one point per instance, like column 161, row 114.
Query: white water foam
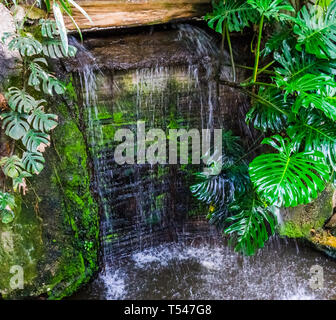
column 174, row 271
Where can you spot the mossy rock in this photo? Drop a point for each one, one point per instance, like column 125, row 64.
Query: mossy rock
column 300, row 220
column 54, row 236
column 307, row 222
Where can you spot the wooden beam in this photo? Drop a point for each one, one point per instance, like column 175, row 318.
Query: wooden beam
column 128, row 13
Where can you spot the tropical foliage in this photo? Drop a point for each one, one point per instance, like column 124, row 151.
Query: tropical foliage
column 25, row 119
column 293, row 105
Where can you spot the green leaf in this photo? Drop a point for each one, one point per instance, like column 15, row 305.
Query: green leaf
column 15, row 124
column 317, row 31
column 233, row 179
column 38, row 75
column 11, row 166
column 288, row 178
column 265, row 117
column 6, row 216
column 7, row 204
column 53, row 84
column 19, row 181
column 275, row 41
column 272, row 8
column 294, row 64
column 47, row 3
column 235, row 14
column 307, row 84
column 27, row 46
column 49, row 28
column 35, row 140
column 33, row 162
column 248, row 224
column 221, row 189
column 314, row 132
column 53, row 48
column 21, row 101
column 42, row 121
column 324, row 100
column 61, row 26
column 6, row 199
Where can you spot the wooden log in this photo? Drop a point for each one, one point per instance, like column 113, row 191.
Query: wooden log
column 129, row 13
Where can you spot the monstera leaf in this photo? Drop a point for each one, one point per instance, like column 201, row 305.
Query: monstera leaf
column 263, row 116
column 317, row 31
column 288, row 178
column 42, row 121
column 6, row 199
column 249, row 223
column 236, row 15
column 276, row 39
column 38, row 75
column 293, row 64
column 48, row 28
column 35, row 140
column 272, row 8
column 15, row 124
column 33, row 162
column 53, row 48
column 307, row 83
column 19, row 183
column 21, row 101
column 11, row 166
column 53, row 84
column 324, row 100
column 315, row 132
column 27, row 46
column 7, row 204
column 222, row 189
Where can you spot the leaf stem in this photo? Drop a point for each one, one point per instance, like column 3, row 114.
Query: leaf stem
column 252, row 94
column 259, row 84
column 231, row 54
column 257, row 54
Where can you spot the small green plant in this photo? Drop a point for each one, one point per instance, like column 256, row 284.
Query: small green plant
column 295, row 107
column 25, row 120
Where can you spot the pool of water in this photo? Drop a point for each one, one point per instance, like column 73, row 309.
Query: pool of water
column 179, row 271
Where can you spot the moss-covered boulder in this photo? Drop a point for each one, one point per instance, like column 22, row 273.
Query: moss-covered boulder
column 308, row 222
column 54, row 236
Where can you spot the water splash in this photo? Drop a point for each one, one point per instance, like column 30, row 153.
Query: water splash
column 177, row 271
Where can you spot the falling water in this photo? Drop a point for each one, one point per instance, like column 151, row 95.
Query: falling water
column 151, row 247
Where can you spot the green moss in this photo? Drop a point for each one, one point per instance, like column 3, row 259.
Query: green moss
column 292, row 230
column 20, row 245
column 80, row 261
column 299, row 221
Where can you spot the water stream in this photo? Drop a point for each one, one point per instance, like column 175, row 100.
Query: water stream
column 155, row 241
column 185, row 271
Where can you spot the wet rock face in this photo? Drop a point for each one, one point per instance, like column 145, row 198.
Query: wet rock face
column 165, row 78
column 8, row 58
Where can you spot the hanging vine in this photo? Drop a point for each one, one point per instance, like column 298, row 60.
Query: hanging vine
column 24, row 117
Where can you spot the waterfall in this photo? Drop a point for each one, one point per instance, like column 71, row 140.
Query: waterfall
column 145, row 206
